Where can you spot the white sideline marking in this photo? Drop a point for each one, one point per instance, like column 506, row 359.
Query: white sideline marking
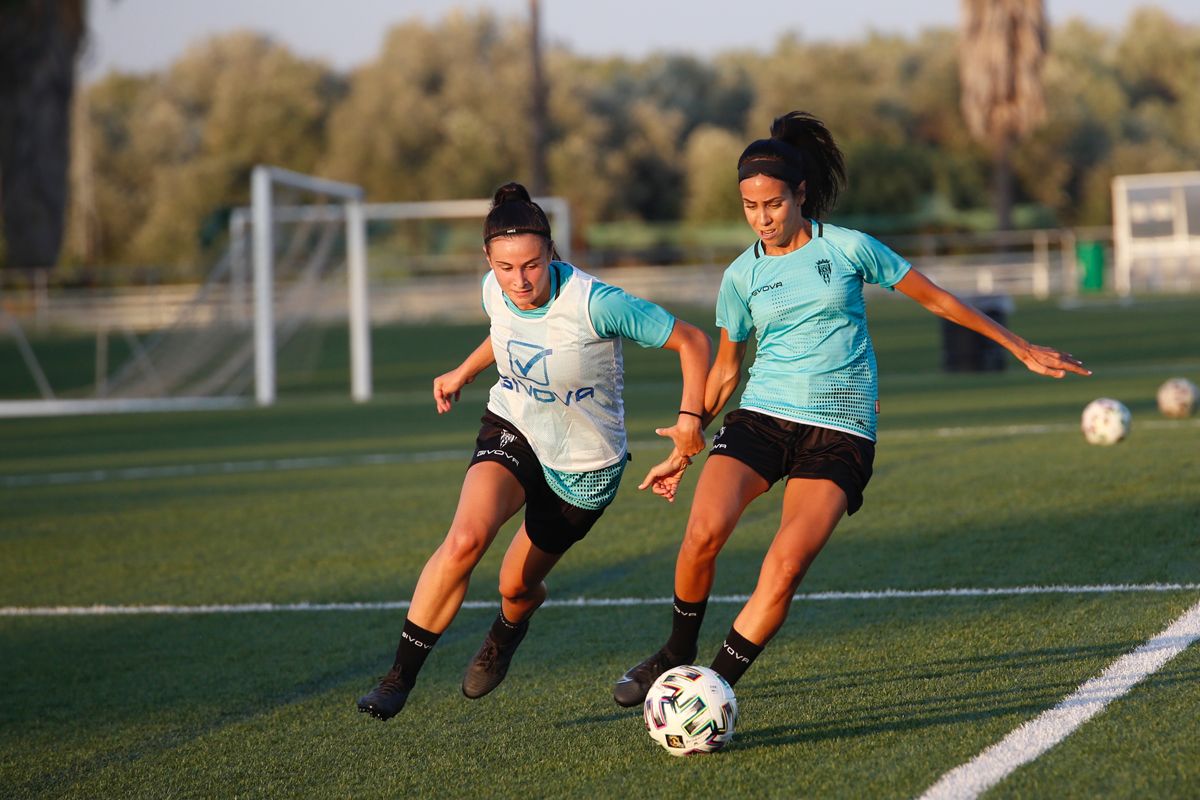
column 587, row 602
column 133, row 405
column 1049, row 728
column 327, row 462
column 1023, row 430
column 227, row 468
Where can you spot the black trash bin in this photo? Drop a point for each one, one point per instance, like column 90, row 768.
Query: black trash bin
column 965, row 350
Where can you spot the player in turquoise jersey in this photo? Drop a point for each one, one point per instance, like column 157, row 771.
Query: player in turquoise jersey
column 807, row 414
column 552, row 440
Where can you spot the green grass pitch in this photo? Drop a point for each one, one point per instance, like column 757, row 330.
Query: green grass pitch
column 981, row 481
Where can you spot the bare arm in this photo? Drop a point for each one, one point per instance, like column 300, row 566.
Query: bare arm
column 1039, row 359
column 695, row 351
column 447, row 387
column 723, row 379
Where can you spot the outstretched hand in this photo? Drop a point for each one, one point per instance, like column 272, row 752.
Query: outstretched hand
column 663, row 478
column 447, row 388
column 1051, row 362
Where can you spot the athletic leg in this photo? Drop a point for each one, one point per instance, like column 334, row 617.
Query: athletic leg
column 523, row 577
column 725, row 488
column 522, row 591
column 812, row 509
column 490, row 496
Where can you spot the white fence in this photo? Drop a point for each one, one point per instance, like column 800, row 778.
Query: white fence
column 1032, row 263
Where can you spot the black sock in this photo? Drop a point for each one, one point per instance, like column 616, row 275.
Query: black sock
column 415, row 644
column 686, row 619
column 736, row 655
column 504, row 631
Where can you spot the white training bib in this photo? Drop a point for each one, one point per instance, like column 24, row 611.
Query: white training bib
column 560, row 382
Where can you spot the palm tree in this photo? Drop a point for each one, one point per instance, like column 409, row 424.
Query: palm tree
column 538, row 105
column 1002, row 49
column 39, row 40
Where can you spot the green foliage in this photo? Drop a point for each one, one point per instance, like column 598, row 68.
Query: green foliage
column 710, row 156
column 169, row 151
column 442, row 111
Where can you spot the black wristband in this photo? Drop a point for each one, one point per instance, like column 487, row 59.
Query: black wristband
column 692, row 414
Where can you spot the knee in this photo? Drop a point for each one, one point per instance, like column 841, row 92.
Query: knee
column 780, row 578
column 703, row 541
column 514, row 589
column 464, row 546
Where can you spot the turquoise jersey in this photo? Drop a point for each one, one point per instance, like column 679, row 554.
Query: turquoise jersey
column 814, row 362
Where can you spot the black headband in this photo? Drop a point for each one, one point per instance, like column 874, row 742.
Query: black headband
column 514, row 231
column 772, row 168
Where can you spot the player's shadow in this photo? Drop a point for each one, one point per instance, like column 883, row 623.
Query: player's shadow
column 945, row 668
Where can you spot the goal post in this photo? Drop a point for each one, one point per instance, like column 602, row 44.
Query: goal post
column 263, row 182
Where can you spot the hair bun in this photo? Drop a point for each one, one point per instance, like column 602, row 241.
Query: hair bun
column 511, row 193
column 795, row 127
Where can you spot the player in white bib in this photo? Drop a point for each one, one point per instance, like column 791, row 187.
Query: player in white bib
column 807, row 415
column 552, row 440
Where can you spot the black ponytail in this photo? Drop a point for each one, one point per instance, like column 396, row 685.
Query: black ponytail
column 514, row 212
column 800, row 149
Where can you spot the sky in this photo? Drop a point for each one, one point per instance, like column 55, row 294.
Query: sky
column 144, row 35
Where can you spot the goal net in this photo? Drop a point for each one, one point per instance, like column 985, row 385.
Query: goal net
column 295, row 270
column 281, row 309
column 1156, row 232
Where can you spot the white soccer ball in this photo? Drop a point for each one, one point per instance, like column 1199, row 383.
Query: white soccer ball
column 690, row 710
column 1105, row 421
column 1177, row 398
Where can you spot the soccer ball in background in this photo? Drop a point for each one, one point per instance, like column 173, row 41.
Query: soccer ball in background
column 1177, row 398
column 1105, row 421
column 690, row 710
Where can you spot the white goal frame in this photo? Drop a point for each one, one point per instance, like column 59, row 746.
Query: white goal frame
column 262, row 215
column 262, row 182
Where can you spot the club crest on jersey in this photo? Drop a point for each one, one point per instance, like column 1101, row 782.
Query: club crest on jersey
column 824, row 269
column 529, row 361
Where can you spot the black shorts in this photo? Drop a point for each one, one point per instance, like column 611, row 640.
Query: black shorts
column 552, row 523
column 775, row 448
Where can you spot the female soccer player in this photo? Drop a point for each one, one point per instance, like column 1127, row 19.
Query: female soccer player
column 807, row 414
column 552, row 440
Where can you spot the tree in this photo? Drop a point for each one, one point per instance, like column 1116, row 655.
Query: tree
column 537, row 110
column 39, row 40
column 1001, row 52
column 710, row 158
column 174, row 151
column 439, row 114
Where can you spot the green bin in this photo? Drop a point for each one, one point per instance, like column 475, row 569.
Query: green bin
column 1091, row 265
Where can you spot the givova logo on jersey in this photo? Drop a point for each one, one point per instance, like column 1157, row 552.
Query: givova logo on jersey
column 529, row 368
column 530, row 361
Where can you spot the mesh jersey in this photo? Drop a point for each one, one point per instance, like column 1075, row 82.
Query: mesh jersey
column 814, row 361
column 576, row 338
